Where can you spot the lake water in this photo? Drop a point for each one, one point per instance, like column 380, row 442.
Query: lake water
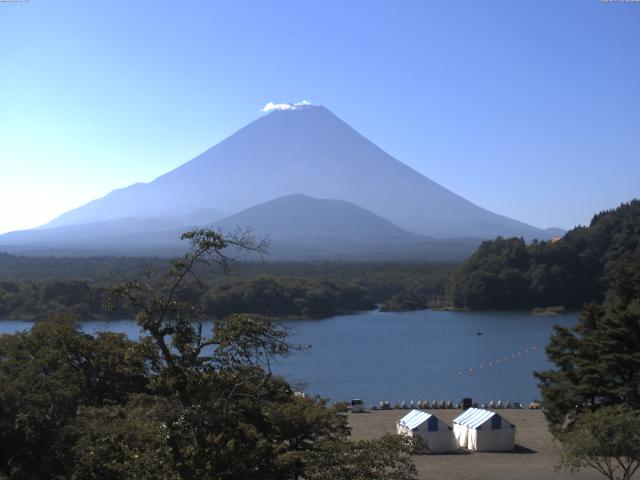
column 424, row 355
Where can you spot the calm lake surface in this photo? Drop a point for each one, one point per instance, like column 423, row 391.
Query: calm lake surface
column 424, row 355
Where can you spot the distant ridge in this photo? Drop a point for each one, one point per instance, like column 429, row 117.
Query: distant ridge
column 297, row 226
column 300, row 227
column 305, row 228
column 300, row 217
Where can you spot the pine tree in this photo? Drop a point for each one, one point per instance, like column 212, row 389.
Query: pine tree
column 598, row 361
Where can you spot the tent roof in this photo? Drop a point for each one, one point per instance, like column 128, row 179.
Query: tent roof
column 473, row 417
column 413, row 419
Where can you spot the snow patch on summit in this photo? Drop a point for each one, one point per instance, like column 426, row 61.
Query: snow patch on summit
column 285, row 106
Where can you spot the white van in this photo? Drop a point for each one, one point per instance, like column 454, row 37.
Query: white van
column 357, row 405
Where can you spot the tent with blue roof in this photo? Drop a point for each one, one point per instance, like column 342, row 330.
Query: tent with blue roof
column 439, row 435
column 484, row 431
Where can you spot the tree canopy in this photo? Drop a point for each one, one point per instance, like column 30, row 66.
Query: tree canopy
column 607, row 440
column 592, row 397
column 598, row 360
column 570, row 271
column 80, row 287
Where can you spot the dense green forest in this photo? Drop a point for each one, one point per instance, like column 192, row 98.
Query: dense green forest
column 574, row 270
column 281, row 298
column 33, row 287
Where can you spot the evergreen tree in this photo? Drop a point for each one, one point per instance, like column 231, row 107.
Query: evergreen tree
column 599, row 359
column 571, row 271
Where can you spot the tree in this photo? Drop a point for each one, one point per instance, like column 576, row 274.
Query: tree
column 48, row 373
column 592, row 399
column 220, row 383
column 599, row 359
column 121, row 442
column 388, row 458
column 607, row 440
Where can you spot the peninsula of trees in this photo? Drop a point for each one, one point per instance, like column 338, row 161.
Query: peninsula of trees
column 570, row 271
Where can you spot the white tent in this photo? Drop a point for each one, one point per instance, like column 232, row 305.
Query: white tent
column 438, row 434
column 484, row 431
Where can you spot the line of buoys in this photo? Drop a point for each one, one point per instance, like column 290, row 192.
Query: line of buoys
column 497, row 361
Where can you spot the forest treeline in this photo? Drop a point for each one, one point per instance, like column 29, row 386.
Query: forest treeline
column 273, row 297
column 571, row 271
column 80, row 286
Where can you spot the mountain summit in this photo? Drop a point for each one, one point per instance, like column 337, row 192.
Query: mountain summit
column 304, row 150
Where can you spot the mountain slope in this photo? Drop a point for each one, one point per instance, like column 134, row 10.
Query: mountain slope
column 311, row 151
column 300, row 217
column 300, row 227
column 297, row 226
column 122, row 235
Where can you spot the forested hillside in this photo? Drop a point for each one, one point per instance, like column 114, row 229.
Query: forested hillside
column 508, row 273
column 277, row 298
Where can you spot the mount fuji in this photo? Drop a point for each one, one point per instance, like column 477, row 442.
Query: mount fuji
column 304, row 150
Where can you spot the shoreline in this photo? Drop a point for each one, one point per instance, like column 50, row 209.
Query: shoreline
column 537, row 312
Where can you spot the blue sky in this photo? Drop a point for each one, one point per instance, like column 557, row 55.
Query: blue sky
column 529, row 108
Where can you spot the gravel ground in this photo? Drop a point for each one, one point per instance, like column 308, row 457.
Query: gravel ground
column 535, row 457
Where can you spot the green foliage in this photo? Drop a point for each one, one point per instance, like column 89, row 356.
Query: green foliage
column 388, row 458
column 599, row 359
column 508, row 274
column 607, row 440
column 122, row 441
column 282, row 298
column 46, row 375
column 286, row 298
column 493, row 276
column 30, row 301
column 426, row 291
